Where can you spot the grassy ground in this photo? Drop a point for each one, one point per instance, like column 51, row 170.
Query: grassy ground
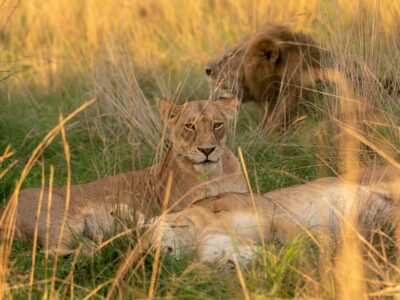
column 276, row 166
column 55, row 55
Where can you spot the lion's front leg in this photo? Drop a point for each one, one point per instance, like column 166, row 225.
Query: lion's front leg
column 224, row 249
column 93, row 230
column 275, row 113
column 233, row 236
column 178, row 233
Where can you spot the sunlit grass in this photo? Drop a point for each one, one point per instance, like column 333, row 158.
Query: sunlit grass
column 57, row 54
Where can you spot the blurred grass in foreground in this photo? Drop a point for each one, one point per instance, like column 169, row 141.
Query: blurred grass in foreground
column 56, row 54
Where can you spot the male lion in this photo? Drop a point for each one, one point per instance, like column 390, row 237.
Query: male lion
column 199, row 162
column 271, row 68
column 231, row 224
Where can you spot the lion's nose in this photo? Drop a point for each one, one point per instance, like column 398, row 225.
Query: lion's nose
column 206, row 151
column 208, row 71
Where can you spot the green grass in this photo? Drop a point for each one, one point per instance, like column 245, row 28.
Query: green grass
column 54, row 60
column 93, row 157
column 274, row 161
column 273, row 273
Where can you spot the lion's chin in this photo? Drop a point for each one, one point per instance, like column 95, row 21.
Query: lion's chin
column 208, row 166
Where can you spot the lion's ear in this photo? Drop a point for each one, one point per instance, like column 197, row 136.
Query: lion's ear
column 228, row 105
column 169, row 111
column 269, row 50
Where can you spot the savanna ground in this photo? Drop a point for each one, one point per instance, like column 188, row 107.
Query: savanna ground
column 57, row 54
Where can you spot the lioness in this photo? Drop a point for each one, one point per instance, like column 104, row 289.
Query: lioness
column 271, row 68
column 199, row 160
column 231, row 224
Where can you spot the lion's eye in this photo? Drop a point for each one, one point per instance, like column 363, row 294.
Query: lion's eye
column 190, row 126
column 218, row 125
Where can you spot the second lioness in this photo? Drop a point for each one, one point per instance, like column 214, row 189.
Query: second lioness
column 220, row 227
column 199, row 160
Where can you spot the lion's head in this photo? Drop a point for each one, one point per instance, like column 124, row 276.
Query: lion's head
column 198, row 130
column 256, row 67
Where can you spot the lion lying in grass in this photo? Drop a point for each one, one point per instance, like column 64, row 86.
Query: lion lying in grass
column 218, row 228
column 274, row 67
column 199, row 162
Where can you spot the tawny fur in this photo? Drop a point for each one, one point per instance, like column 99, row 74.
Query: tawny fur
column 193, row 126
column 231, row 224
column 271, row 68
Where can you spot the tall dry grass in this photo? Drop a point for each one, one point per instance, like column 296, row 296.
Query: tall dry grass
column 47, row 42
column 127, row 53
